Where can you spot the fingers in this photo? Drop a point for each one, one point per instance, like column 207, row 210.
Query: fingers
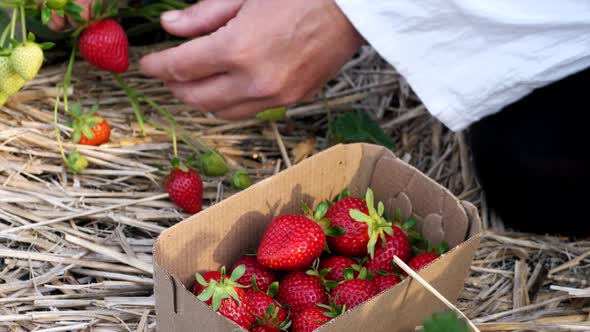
column 191, row 61
column 211, row 94
column 202, row 18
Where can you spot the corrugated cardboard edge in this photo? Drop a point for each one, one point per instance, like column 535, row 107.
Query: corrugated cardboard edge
column 173, row 297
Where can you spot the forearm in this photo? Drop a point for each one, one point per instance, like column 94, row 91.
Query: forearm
column 467, row 59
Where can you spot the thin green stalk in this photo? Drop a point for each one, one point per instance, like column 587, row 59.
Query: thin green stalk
column 57, row 131
column 13, row 23
column 170, row 118
column 68, row 76
column 4, row 35
column 134, row 102
column 23, row 22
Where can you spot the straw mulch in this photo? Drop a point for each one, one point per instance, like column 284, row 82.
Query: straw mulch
column 75, row 251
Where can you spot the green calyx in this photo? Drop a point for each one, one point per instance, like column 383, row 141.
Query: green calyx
column 273, row 114
column 334, row 310
column 319, row 216
column 241, row 180
column 217, row 291
column 362, row 272
column 321, row 274
column 377, row 225
column 447, row 321
column 213, row 164
column 273, row 289
column 271, row 318
column 84, row 122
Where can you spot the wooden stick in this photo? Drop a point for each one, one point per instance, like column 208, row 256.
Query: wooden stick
column 431, row 289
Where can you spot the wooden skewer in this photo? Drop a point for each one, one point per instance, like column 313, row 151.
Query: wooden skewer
column 431, row 289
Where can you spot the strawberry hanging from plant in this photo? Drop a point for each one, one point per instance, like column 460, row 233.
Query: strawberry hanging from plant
column 104, row 44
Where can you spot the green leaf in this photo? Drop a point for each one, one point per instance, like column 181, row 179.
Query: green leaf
column 200, row 279
column 335, row 231
column 76, row 135
column 87, row 132
column 321, row 210
column 76, row 109
column 46, row 15
column 359, row 216
column 348, row 273
column 31, row 37
column 97, row 8
column 356, row 127
column 47, row 45
column 273, row 289
column 238, row 272
column 74, row 11
column 447, row 321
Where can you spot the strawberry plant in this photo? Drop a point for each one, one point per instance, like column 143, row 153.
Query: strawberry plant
column 102, row 42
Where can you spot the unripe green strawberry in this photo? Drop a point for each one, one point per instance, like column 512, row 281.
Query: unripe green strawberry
column 27, row 60
column 56, row 4
column 213, row 164
column 3, row 98
column 10, row 82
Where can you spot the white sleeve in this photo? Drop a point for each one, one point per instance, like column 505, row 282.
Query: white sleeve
column 467, row 59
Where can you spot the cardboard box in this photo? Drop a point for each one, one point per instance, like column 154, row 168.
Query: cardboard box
column 221, row 234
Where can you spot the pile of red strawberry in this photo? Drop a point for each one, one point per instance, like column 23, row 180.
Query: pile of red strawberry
column 312, row 267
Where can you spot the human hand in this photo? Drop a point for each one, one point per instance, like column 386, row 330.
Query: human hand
column 252, row 55
column 58, row 23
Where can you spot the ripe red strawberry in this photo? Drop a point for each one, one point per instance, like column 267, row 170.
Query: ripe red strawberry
column 298, row 289
column 89, row 128
column 211, row 275
column 266, row 328
column 419, row 261
column 311, row 317
column 185, row 188
column 356, row 237
column 104, row 44
column 376, row 226
column 383, row 282
column 396, row 245
column 261, row 302
column 264, row 277
column 291, row 243
column 227, row 298
column 101, row 131
column 336, row 266
column 353, row 292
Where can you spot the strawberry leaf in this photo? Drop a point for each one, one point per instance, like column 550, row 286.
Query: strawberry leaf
column 86, row 131
column 273, row 289
column 335, row 231
column 76, row 109
column 321, row 210
column 47, row 45
column 74, row 11
column 46, row 15
column 200, row 279
column 76, row 135
column 238, row 272
column 447, row 321
column 358, row 126
column 97, row 8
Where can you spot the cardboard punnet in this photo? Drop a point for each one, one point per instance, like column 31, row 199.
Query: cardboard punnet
column 221, row 234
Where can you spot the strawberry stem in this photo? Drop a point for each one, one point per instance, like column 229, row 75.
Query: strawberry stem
column 4, row 35
column 23, row 23
column 13, row 23
column 134, row 101
column 170, row 118
column 57, row 131
column 68, row 76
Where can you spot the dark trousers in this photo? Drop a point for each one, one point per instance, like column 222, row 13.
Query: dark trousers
column 531, row 159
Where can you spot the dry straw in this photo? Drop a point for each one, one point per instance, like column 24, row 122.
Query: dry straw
column 76, row 251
